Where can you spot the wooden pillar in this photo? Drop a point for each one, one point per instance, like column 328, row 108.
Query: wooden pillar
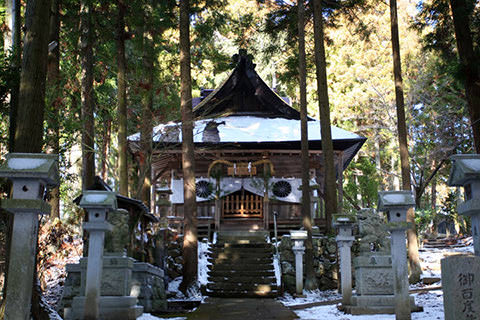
column 266, row 202
column 218, row 213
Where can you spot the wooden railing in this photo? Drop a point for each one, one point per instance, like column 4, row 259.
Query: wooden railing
column 242, row 205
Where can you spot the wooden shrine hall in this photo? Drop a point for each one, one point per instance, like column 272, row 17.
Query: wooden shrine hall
column 247, row 157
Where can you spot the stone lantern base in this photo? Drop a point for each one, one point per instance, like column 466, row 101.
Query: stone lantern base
column 125, row 282
column 381, row 304
column 374, row 287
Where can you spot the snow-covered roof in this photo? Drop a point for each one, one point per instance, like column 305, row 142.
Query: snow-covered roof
column 244, row 129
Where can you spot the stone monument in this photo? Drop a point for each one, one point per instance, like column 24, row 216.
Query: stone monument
column 461, row 273
column 30, row 174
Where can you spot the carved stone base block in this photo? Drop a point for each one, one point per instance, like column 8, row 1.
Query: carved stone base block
column 373, row 275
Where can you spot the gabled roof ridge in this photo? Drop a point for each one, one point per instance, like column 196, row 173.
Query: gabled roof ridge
column 267, row 101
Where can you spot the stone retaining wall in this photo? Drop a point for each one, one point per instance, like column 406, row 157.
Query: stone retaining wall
column 325, row 263
column 174, row 259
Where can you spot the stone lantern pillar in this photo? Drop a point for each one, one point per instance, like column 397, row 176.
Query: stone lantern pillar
column 30, row 174
column 298, row 237
column 345, row 239
column 396, row 205
column 97, row 204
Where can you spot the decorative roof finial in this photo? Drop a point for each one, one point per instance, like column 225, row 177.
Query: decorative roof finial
column 243, row 56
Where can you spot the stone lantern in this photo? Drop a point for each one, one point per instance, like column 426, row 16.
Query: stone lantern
column 345, row 239
column 460, row 273
column 396, row 204
column 97, row 204
column 466, row 173
column 31, row 175
column 298, row 237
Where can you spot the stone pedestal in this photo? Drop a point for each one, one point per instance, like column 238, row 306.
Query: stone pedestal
column 30, row 175
column 461, row 287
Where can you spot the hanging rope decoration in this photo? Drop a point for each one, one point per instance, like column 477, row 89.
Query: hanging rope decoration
column 204, row 189
column 282, row 188
column 243, row 167
column 220, row 161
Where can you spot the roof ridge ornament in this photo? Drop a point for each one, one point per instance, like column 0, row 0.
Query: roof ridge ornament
column 243, row 56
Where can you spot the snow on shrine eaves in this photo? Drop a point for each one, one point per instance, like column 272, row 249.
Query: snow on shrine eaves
column 247, row 129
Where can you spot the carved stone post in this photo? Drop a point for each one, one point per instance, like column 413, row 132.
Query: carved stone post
column 345, row 240
column 30, row 174
column 396, row 204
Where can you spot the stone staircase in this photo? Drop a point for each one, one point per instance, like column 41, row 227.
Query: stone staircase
column 242, row 266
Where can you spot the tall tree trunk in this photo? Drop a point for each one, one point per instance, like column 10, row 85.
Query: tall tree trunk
column 326, row 132
column 86, row 57
column 122, row 101
column 147, row 124
column 413, row 258
column 462, row 12
column 311, row 280
column 434, row 206
column 107, row 132
column 31, row 106
column 12, row 42
column 55, row 97
column 190, row 254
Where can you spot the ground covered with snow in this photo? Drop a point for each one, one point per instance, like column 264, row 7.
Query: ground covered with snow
column 431, row 299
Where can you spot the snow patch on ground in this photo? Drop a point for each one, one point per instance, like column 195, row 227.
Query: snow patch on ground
column 310, row 297
column 432, row 303
column 430, row 258
column 148, row 316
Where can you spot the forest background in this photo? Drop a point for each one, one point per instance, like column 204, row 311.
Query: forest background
column 130, row 51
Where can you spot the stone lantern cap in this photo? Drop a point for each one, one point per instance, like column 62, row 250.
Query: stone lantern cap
column 31, row 166
column 394, row 199
column 298, row 234
column 344, row 224
column 95, row 199
column 465, row 167
column 342, row 219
